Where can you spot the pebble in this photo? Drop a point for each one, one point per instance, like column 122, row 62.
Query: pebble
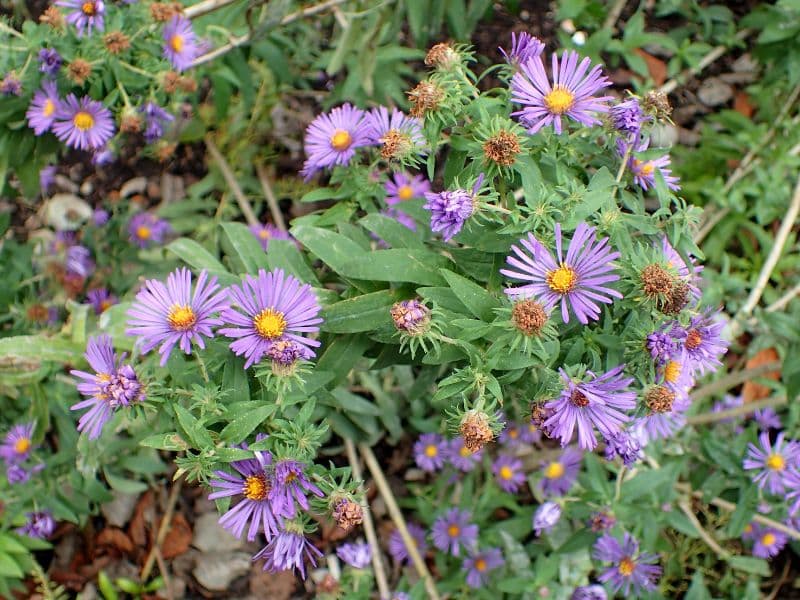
column 216, row 571
column 209, row 535
column 714, row 92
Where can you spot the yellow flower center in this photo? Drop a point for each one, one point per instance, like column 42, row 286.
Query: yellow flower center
column 263, row 234
column 341, row 140
column 88, row 8
column 768, row 539
column 405, row 192
column 103, row 377
column 105, row 305
column 559, row 100
column 506, row 473
column 513, row 434
column 480, row 565
column 554, row 470
column 270, row 324
column 748, row 528
column 776, row 462
column 672, row 371
column 290, row 477
column 22, row 445
column 176, row 42
column 453, row 530
column 465, row 452
column 83, row 121
column 645, row 168
column 49, row 108
column 143, row 232
column 626, row 567
column 181, row 318
column 255, row 487
column 562, row 280
column 431, row 451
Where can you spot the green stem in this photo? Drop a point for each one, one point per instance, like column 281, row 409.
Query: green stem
column 137, row 70
column 624, row 164
column 203, row 370
column 12, row 31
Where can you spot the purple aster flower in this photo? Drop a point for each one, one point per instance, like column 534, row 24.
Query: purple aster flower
column 702, row 343
column 690, row 276
column 767, row 419
column 480, row 564
column 452, row 530
column 508, row 473
column 18, row 444
column 578, row 280
column 17, row 474
column 461, row 457
column 401, row 187
column 181, row 45
column 627, row 118
column 332, row 138
column 661, row 425
column 524, row 47
column 170, row 315
column 47, row 177
column 399, row 135
column 289, row 488
column 266, row 232
column 86, row 14
column 627, row 445
column 252, row 483
column 546, row 517
column 288, row 550
column 662, row 346
column 49, row 61
column 102, row 156
column 791, row 479
column 11, row 85
column 147, row 229
column 598, row 402
column 589, row 592
column 644, row 170
column 571, row 94
column 43, row 109
column 84, row 124
column 631, row 571
column 559, row 475
column 677, row 377
column 275, row 307
column 429, row 452
column 356, row 555
column 512, row 434
column 397, row 547
column 768, row 542
column 79, row 261
column 451, row 209
column 728, row 402
column 112, row 386
column 772, row 461
column 100, row 217
column 40, row 525
column 155, row 119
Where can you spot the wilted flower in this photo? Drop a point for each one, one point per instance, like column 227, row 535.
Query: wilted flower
column 477, row 429
column 589, row 592
column 155, row 118
column 451, row 209
column 424, row 98
column 559, row 475
column 276, row 307
column 11, row 85
column 116, row 42
column 49, row 61
column 452, row 530
column 508, row 473
column 40, row 525
column 571, row 93
column 43, row 108
column 546, row 517
column 480, row 564
column 429, row 452
column 357, row 556
column 601, row 521
column 578, row 280
column 347, row 514
column 411, row 317
column 397, row 547
column 442, row 56
column 84, row 124
column 599, row 402
column 529, row 316
column 401, row 187
column 86, row 14
column 181, row 46
column 289, row 549
column 630, row 571
column 772, row 461
column 524, row 47
column 332, row 138
column 398, row 135
column 289, row 488
column 147, row 229
column 18, row 444
column 113, row 385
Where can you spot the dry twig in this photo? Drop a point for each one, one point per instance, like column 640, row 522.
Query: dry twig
column 272, row 202
column 230, row 179
column 172, row 501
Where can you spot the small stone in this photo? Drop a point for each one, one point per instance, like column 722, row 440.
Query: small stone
column 137, row 185
column 119, row 511
column 209, row 535
column 66, row 212
column 714, row 92
column 216, row 571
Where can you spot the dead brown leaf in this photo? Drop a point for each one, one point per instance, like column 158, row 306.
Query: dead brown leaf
column 655, row 66
column 142, row 515
column 742, row 104
column 178, row 539
column 115, row 538
column 752, row 391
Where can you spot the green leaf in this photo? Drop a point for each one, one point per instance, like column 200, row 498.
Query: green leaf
column 745, row 509
column 121, row 484
column 392, row 232
column 241, row 245
column 198, row 434
column 194, row 255
column 165, row 441
column 9, row 567
column 398, row 264
column 477, row 300
column 238, row 429
column 10, row 545
column 350, row 402
column 362, row 313
column 342, row 354
column 649, row 482
column 283, row 254
column 334, row 249
column 33, row 347
column 750, row 564
column 697, row 590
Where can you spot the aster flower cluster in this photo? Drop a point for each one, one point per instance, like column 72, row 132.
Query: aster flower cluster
column 17, row 453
